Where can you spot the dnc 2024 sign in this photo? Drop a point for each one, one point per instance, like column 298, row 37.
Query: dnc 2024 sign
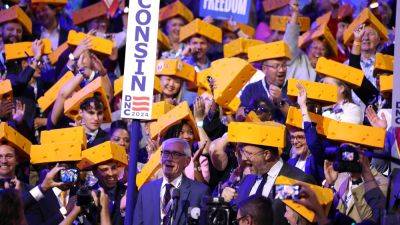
column 238, row 10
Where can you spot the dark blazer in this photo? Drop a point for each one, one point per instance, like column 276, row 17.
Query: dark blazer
column 147, row 210
column 46, row 211
column 115, row 198
column 278, row 206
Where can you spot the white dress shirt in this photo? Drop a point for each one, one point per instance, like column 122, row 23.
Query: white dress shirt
column 175, row 184
column 272, row 175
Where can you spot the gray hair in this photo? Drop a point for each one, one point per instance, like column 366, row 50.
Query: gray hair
column 185, row 144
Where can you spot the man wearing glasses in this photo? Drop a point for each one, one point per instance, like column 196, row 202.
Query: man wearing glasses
column 255, row 210
column 156, row 199
column 265, row 166
column 273, row 59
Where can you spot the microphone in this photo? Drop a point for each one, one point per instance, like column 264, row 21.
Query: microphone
column 193, row 215
column 175, row 197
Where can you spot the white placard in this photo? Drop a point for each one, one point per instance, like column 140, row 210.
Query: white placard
column 140, row 59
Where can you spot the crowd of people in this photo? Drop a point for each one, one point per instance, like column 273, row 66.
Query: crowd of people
column 278, row 119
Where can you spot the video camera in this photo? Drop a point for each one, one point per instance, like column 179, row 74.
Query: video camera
column 345, row 158
column 215, row 212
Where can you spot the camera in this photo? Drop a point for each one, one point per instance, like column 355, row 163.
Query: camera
column 284, row 192
column 84, row 199
column 218, row 212
column 347, row 159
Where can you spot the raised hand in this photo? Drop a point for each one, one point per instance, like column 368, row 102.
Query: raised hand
column 18, row 112
column 330, row 174
column 302, row 97
column 37, row 48
column 48, row 181
column 373, row 118
column 359, row 32
column 199, row 109
column 83, row 46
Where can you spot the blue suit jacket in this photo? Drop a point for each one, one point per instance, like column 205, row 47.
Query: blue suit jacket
column 147, row 210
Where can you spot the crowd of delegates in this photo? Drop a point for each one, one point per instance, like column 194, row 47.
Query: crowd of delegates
column 198, row 153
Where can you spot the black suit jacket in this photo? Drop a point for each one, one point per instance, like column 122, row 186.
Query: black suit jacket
column 46, row 211
column 278, row 206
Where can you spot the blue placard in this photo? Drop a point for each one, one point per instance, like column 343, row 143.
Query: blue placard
column 238, row 10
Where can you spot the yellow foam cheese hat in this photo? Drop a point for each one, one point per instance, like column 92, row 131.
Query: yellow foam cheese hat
column 160, row 108
column 64, row 135
column 21, row 50
column 10, row 136
column 88, row 13
column 324, row 19
column 174, row 116
column 72, row 105
column 56, row 152
column 324, row 93
column 51, row 95
column 383, row 62
column 246, row 29
column 386, row 83
column 239, row 46
column 279, row 23
column 366, row 17
column 175, row 67
column 356, row 134
column 294, row 118
column 324, row 196
column 149, row 169
column 6, row 91
column 320, row 32
column 199, row 27
column 229, row 75
column 50, row 2
column 53, row 57
column 103, row 153
column 273, row 50
column 271, row 5
column 258, row 133
column 252, row 117
column 99, row 45
column 175, row 9
column 345, row 73
column 163, row 41
column 15, row 13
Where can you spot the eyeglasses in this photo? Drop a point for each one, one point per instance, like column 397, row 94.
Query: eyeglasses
column 250, row 155
column 257, row 110
column 236, row 221
column 276, row 66
column 175, row 155
column 299, row 137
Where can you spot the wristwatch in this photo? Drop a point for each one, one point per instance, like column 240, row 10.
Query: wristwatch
column 200, row 124
column 72, row 57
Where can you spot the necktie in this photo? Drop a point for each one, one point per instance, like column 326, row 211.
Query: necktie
column 165, row 206
column 261, row 186
column 63, row 197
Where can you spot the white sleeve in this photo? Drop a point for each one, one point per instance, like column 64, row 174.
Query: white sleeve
column 36, row 193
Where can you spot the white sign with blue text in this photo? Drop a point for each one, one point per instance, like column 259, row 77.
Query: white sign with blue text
column 140, row 59
column 237, row 10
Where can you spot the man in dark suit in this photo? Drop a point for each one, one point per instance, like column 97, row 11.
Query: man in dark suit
column 265, row 165
column 155, row 203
